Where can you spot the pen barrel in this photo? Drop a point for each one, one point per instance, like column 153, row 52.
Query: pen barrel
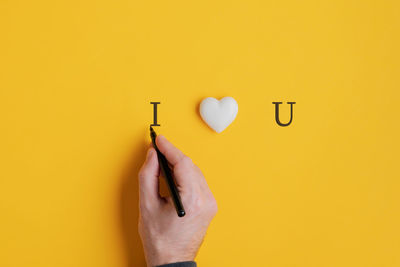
column 166, row 172
column 173, row 190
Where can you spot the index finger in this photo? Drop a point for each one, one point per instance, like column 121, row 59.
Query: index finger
column 173, row 154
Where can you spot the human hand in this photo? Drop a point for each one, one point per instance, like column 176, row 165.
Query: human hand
column 166, row 237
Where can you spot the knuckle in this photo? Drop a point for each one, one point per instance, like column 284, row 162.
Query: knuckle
column 213, row 207
column 187, row 161
column 208, row 205
column 142, row 174
column 144, row 207
column 199, row 203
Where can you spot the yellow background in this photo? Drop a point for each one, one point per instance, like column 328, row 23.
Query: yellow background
column 76, row 79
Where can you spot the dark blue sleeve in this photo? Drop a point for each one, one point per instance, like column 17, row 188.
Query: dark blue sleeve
column 180, row 264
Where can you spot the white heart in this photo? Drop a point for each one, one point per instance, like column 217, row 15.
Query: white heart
column 218, row 114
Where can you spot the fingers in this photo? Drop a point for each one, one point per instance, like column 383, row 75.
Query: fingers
column 173, row 154
column 148, row 179
column 185, row 172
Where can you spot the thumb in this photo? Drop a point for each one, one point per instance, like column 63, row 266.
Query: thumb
column 148, row 179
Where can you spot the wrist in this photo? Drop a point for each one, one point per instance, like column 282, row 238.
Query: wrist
column 180, row 264
column 162, row 253
column 165, row 259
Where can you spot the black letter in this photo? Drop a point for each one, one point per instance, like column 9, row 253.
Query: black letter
column 277, row 113
column 155, row 113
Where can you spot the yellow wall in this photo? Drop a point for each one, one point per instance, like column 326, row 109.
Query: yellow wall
column 76, row 79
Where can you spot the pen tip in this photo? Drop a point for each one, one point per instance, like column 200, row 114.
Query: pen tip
column 181, row 213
